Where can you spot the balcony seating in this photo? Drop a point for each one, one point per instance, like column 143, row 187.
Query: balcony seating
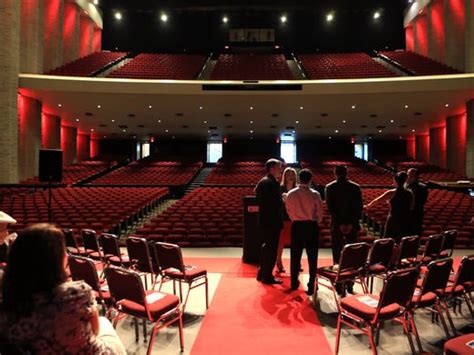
column 86, row 66
column 418, row 64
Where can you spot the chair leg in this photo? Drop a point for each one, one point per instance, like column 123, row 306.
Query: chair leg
column 338, row 334
column 363, row 284
column 152, row 338
column 144, row 330
column 450, row 320
column 370, row 333
column 415, row 331
column 439, row 312
column 206, row 285
column 468, row 302
column 408, row 334
column 181, row 337
column 180, row 291
column 137, row 333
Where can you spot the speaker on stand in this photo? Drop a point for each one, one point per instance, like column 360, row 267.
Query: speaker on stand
column 50, row 170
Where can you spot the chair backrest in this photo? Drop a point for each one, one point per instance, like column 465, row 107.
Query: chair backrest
column 70, row 240
column 110, row 244
column 84, row 269
column 125, row 284
column 381, row 252
column 169, row 256
column 437, row 276
column 353, row 257
column 434, row 245
column 449, row 241
column 89, row 238
column 409, row 248
column 465, row 271
column 155, row 264
column 139, row 254
column 399, row 287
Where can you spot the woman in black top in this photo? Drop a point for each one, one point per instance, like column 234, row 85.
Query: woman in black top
column 288, row 182
column 401, row 206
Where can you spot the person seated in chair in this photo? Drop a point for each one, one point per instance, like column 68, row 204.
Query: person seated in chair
column 44, row 313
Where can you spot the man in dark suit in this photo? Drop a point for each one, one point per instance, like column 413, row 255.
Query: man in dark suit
column 420, row 192
column 270, row 204
column 344, row 202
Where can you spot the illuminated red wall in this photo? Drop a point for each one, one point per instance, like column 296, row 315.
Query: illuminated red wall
column 409, row 40
column 456, row 131
column 50, row 132
column 438, row 146
column 422, row 147
column 437, row 29
column 94, row 147
column 86, row 36
column 69, row 144
column 411, row 147
column 83, row 146
column 421, row 34
column 97, row 40
column 71, row 30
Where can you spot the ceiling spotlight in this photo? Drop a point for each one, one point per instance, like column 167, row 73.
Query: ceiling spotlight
column 200, row 107
column 283, row 19
column 376, row 15
column 205, row 121
column 164, row 18
column 225, row 19
column 118, row 16
column 301, row 107
column 251, row 107
column 330, row 17
column 391, row 121
column 113, row 121
column 380, row 131
column 343, row 121
column 92, row 129
column 336, row 131
column 406, row 106
column 447, row 105
column 166, row 131
column 209, row 131
column 353, row 107
column 226, row 47
column 251, row 131
column 251, row 122
column 297, row 122
column 124, row 130
column 150, row 106
column 159, row 121
column 330, row 137
column 77, row 119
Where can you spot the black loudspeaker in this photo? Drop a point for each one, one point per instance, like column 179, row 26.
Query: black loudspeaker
column 50, row 165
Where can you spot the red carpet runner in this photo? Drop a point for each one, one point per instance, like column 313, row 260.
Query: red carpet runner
column 247, row 317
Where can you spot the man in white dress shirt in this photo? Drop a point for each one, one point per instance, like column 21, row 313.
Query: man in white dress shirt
column 305, row 208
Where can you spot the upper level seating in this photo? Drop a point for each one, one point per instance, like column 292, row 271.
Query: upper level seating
column 161, row 66
column 251, row 67
column 78, row 171
column 86, row 66
column 431, row 172
column 236, row 173
column 444, row 210
column 363, row 174
column 149, row 173
column 343, row 66
column 99, row 208
column 418, row 64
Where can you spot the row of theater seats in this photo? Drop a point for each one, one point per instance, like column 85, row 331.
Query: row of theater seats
column 444, row 210
column 86, row 66
column 161, row 66
column 99, row 208
column 236, row 173
column 430, row 172
column 77, row 172
column 150, row 173
column 418, row 64
column 343, row 66
column 251, row 67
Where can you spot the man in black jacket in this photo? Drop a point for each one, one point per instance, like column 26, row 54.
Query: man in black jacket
column 420, row 192
column 270, row 204
column 344, row 202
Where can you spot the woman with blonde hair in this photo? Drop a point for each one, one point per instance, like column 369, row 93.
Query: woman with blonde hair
column 288, row 182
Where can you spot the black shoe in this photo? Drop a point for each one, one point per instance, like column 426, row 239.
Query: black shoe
column 350, row 289
column 310, row 290
column 273, row 281
column 294, row 286
column 259, row 276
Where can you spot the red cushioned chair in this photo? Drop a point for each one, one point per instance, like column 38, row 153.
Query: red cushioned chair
column 172, row 268
column 432, row 248
column 459, row 345
column 130, row 298
column 407, row 252
column 448, row 243
column 380, row 257
column 140, row 258
column 84, row 269
column 366, row 312
column 91, row 244
column 111, row 250
column 430, row 294
column 460, row 290
column 351, row 267
column 72, row 246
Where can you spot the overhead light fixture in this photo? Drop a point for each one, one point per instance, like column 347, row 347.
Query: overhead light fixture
column 77, row 119
column 413, row 130
column 113, row 121
column 92, row 129
column 251, row 107
column 380, row 131
column 283, row 19
column 376, row 15
column 159, row 121
column 336, row 131
column 200, row 107
column 391, row 121
column 301, row 107
column 446, row 105
column 353, row 107
column 297, row 122
column 166, row 131
column 343, row 121
column 225, row 19
column 124, row 130
column 150, row 107
column 406, row 106
column 98, row 106
column 205, row 121
column 59, row 105
column 251, row 122
column 251, row 131
column 330, row 17
column 118, row 16
column 330, row 137
column 226, row 47
column 164, row 17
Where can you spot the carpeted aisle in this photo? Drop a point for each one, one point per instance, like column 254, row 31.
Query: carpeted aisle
column 247, row 317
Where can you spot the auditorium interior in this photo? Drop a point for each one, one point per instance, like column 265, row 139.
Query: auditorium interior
column 149, row 123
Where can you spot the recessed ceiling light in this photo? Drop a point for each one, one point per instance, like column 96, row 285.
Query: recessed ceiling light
column 330, row 137
column 297, row 122
column 205, row 121
column 98, row 106
column 380, row 131
column 105, row 136
column 293, row 131
column 336, row 131
column 134, row 137
column 59, row 105
column 391, row 121
column 251, row 107
column 164, row 17
column 251, row 122
column 376, row 15
column 301, row 107
column 343, row 121
column 353, row 107
column 225, row 19
column 124, row 130
column 77, row 119
column 413, row 130
column 447, row 105
column 200, row 107
column 166, row 131
column 118, row 16
column 251, row 131
column 113, row 121
column 283, row 19
column 406, row 106
column 209, row 131
column 150, row 106
column 159, row 121
column 92, row 129
column 329, row 17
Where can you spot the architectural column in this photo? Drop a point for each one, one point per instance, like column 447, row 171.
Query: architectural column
column 97, row 40
column 438, row 146
column 454, row 20
column 31, row 31
column 9, row 68
column 87, row 32
column 83, row 146
column 71, row 32
column 29, row 137
column 69, row 144
column 411, row 147
column 470, row 139
column 53, row 34
column 421, row 35
column 469, row 37
column 409, row 39
column 94, row 148
column 456, row 143
column 51, row 131
column 422, row 147
column 435, row 26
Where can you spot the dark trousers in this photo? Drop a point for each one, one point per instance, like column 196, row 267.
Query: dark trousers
column 417, row 224
column 271, row 237
column 304, row 235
